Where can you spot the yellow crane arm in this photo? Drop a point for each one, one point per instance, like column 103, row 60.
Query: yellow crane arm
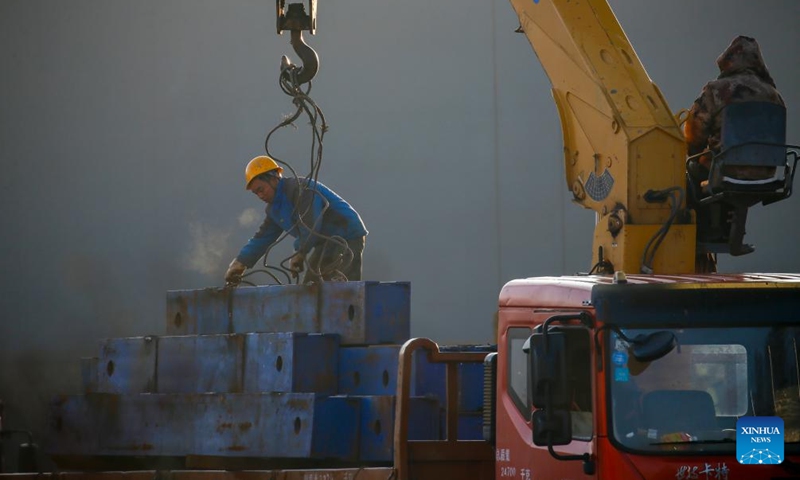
column 621, row 139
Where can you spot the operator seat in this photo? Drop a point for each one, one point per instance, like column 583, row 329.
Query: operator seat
column 752, row 139
column 669, row 411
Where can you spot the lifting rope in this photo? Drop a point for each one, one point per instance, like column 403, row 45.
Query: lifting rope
column 291, row 81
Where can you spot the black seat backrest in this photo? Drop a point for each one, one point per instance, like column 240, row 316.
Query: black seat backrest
column 671, row 411
column 753, row 134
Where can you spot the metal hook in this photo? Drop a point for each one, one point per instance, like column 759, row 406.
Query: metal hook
column 296, row 20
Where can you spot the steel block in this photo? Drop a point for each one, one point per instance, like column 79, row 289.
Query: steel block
column 200, row 363
column 267, row 308
column 470, row 392
column 376, row 428
column 291, row 362
column 274, row 425
column 429, row 378
column 145, row 424
column 470, row 426
column 72, row 426
column 368, row 370
column 424, row 419
column 89, row 372
column 366, row 313
column 279, row 425
column 112, row 424
column 377, row 425
column 127, row 365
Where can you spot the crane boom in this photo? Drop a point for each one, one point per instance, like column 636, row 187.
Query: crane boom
column 620, row 138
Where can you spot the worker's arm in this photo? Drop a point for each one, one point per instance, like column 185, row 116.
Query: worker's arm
column 257, row 246
column 698, row 124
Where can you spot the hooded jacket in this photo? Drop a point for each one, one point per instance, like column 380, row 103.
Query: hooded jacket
column 743, row 77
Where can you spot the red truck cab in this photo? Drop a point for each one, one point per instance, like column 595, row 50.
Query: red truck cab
column 716, row 348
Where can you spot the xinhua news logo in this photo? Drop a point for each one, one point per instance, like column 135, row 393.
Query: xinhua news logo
column 759, row 440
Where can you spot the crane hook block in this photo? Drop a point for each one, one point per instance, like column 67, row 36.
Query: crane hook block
column 295, row 19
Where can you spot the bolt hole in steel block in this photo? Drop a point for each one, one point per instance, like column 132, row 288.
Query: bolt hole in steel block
column 297, row 425
column 376, row 429
column 291, row 362
column 178, row 321
column 368, row 370
column 366, row 313
column 126, row 365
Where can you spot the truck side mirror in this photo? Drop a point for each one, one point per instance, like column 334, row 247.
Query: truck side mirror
column 547, row 385
column 653, row 346
column 551, row 427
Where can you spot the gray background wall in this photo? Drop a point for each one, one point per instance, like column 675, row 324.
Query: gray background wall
column 125, row 127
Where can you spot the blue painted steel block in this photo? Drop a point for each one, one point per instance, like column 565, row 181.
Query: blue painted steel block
column 429, row 378
column 89, row 372
column 335, row 432
column 366, row 313
column 368, row 370
column 291, row 362
column 200, row 363
column 143, row 424
column 470, row 426
column 377, row 425
column 112, row 424
column 72, row 426
column 424, row 419
column 127, row 365
column 275, row 425
column 470, row 392
column 266, row 308
column 376, row 428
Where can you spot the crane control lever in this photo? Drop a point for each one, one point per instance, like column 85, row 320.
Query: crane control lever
column 295, row 19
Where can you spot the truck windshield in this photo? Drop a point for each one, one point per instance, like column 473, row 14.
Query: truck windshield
column 690, row 399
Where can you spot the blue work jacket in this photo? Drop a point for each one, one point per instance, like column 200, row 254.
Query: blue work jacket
column 283, row 215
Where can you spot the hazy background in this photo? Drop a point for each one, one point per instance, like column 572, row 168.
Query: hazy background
column 125, row 127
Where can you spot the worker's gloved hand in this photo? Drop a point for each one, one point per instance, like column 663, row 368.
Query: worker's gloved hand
column 298, row 263
column 234, row 274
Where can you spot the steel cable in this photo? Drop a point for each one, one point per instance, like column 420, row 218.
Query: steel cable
column 306, row 105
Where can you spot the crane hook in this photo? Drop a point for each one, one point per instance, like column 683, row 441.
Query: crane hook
column 295, row 19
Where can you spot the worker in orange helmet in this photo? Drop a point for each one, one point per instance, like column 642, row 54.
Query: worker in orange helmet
column 318, row 219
